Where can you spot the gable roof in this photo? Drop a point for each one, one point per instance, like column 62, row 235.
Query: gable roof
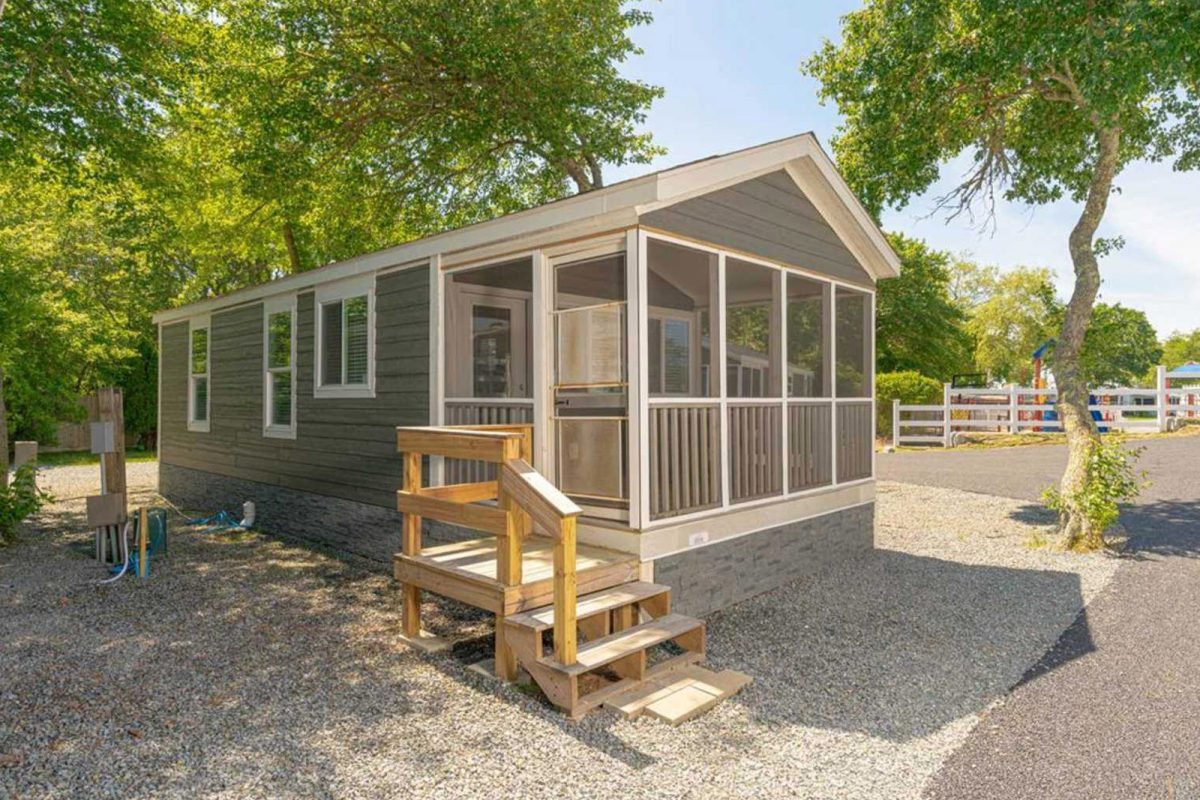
column 615, row 206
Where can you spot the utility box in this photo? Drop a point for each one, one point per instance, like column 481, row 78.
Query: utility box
column 103, row 440
column 105, row 509
column 24, row 453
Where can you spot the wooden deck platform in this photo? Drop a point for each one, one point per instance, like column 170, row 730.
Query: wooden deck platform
column 466, row 571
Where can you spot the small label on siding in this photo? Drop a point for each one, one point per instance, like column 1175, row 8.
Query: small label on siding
column 698, row 538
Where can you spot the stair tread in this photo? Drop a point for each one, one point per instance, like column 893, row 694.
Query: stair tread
column 541, row 619
column 618, row 645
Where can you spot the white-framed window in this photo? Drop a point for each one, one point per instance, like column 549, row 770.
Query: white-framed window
column 199, row 349
column 279, row 367
column 345, row 332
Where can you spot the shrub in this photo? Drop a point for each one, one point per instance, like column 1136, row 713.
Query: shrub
column 1111, row 480
column 19, row 500
column 909, row 388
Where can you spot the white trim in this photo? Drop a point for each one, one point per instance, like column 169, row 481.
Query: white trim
column 363, row 285
column 768, row 526
column 271, row 306
column 200, row 323
column 638, row 376
column 610, row 208
column 437, row 356
column 540, row 379
column 722, row 381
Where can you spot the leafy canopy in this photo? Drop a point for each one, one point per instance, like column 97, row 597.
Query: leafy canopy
column 918, row 326
column 1120, row 347
column 1024, row 87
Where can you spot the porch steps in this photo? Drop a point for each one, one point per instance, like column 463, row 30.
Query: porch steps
column 591, row 605
column 620, row 626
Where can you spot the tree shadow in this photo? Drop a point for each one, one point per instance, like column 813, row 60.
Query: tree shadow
column 894, row 645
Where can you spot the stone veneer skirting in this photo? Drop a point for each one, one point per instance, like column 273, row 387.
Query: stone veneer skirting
column 702, row 580
column 714, row 576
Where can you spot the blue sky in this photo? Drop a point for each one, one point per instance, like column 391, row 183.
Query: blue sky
column 730, row 71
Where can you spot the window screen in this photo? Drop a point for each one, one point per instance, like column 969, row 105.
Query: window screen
column 331, row 346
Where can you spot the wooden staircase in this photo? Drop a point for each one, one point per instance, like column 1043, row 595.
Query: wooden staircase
column 622, row 622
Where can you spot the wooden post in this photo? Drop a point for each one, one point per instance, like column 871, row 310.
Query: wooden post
column 1161, row 398
column 143, row 536
column 110, row 408
column 411, row 546
column 508, row 559
column 564, row 594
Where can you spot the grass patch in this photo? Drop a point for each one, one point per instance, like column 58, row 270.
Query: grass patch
column 83, row 458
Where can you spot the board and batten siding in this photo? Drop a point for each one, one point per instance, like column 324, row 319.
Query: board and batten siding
column 344, row 447
column 768, row 216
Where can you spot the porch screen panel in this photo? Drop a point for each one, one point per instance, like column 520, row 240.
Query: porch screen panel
column 685, row 459
column 755, row 452
column 854, row 445
column 810, row 446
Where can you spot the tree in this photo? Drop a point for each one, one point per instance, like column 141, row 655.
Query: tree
column 1180, row 348
column 1052, row 98
column 404, row 117
column 1015, row 316
column 1121, row 346
column 917, row 326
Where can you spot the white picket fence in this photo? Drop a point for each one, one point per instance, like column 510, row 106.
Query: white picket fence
column 1013, row 409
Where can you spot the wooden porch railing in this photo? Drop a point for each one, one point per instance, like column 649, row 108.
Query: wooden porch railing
column 526, row 502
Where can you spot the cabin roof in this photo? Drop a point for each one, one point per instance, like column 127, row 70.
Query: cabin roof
column 618, row 205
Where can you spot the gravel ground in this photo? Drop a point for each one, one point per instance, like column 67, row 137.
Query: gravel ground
column 251, row 667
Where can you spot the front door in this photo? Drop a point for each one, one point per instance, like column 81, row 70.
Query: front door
column 590, row 390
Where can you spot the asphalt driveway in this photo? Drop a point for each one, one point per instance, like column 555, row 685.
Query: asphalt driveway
column 1113, row 709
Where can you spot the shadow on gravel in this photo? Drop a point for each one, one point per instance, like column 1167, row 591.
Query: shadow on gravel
column 897, row 646
column 1164, row 528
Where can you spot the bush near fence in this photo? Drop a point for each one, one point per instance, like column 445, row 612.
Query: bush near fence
column 909, row 387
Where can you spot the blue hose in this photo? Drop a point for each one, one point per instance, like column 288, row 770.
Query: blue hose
column 221, row 521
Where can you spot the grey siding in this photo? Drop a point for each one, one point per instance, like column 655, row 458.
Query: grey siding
column 767, row 216
column 710, row 578
column 344, row 447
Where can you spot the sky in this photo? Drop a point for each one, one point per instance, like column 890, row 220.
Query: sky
column 732, row 80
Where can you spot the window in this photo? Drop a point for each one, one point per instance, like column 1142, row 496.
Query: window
column 853, row 343
column 198, row 372
column 752, row 341
column 488, row 319
column 346, row 339
column 279, row 360
column 807, row 337
column 681, row 299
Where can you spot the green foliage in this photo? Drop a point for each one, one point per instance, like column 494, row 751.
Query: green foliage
column 1023, row 87
column 1018, row 313
column 1112, row 479
column 1120, row 346
column 918, row 325
column 19, row 500
column 909, row 387
column 1180, row 348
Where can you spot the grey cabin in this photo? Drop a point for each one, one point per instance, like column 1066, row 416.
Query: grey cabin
column 686, row 359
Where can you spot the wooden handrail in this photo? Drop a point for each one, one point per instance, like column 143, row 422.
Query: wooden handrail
column 554, row 514
column 523, row 494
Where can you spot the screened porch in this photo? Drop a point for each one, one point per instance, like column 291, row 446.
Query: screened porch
column 665, row 379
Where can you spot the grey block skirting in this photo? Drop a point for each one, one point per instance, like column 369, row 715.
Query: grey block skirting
column 718, row 575
column 369, row 531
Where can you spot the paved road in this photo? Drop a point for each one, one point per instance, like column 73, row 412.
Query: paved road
column 1113, row 710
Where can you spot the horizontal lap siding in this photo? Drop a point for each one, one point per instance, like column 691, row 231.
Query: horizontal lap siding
column 344, row 447
column 767, row 216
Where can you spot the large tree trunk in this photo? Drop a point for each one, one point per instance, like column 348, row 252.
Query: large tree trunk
column 1082, row 437
column 3, row 435
column 289, row 238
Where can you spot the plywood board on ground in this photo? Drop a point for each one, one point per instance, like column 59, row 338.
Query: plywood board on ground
column 680, row 695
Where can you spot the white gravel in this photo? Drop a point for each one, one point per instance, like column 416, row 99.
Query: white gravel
column 248, row 667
